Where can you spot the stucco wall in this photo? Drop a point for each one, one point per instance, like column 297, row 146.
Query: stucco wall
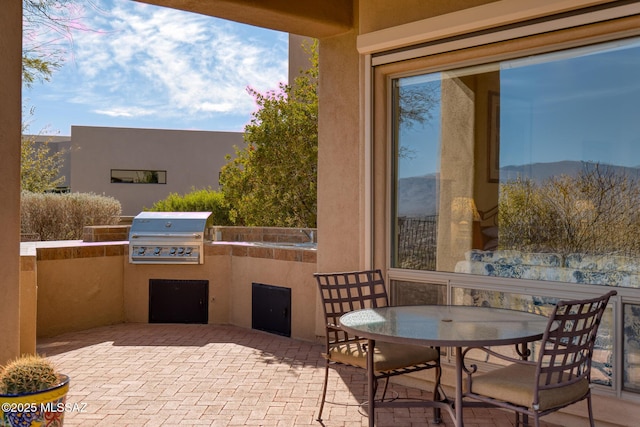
column 190, row 158
column 28, row 304
column 298, row 56
column 88, row 285
column 294, row 275
column 10, row 119
column 231, row 269
column 79, row 291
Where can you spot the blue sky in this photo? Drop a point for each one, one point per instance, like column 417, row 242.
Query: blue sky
column 143, row 66
column 575, row 105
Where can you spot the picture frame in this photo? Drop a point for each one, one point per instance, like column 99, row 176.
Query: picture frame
column 493, row 141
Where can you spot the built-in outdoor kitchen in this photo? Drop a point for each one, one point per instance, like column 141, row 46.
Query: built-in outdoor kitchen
column 172, row 238
column 170, row 268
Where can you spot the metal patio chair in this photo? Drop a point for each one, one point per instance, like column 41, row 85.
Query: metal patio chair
column 347, row 291
column 561, row 375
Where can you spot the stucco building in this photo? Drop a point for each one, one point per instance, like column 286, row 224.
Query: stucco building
column 138, row 167
column 442, row 83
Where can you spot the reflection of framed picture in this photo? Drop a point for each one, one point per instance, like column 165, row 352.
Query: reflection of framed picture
column 493, row 160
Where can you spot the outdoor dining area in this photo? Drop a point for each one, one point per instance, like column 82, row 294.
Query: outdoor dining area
column 221, row 375
column 208, row 375
column 410, row 338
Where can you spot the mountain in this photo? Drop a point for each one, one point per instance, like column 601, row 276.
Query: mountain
column 540, row 172
column 417, row 195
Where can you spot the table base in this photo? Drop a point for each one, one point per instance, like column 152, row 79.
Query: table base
column 448, row 405
column 452, row 406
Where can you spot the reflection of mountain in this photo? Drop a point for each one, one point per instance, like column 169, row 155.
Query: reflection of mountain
column 539, row 172
column 417, row 196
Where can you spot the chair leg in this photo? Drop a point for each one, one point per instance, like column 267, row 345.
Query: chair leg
column 324, row 390
column 384, row 390
column 590, row 409
column 437, row 413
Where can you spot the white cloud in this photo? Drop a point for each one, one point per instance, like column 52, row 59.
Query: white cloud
column 142, row 60
column 125, row 112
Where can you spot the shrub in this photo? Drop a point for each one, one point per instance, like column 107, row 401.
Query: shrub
column 63, row 216
column 596, row 211
column 204, row 200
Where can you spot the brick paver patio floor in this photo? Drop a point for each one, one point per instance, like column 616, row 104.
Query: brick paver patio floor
column 206, row 375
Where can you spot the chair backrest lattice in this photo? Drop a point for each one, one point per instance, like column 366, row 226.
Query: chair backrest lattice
column 348, row 291
column 568, row 343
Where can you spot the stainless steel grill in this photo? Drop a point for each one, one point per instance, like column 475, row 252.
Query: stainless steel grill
column 167, row 238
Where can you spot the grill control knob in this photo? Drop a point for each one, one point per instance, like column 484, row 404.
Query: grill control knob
column 141, row 250
column 180, row 251
column 172, row 251
column 188, row 251
column 157, row 250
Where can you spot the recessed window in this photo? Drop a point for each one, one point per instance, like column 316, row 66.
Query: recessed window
column 515, row 181
column 525, row 169
column 131, row 176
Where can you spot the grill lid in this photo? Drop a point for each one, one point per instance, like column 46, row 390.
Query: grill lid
column 148, row 224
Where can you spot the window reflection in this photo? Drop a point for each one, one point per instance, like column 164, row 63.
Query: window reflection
column 413, row 293
column 524, row 169
column 129, row 176
column 417, row 130
column 631, row 362
column 602, row 365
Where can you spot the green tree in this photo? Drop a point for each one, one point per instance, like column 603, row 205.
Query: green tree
column 272, row 181
column 39, row 167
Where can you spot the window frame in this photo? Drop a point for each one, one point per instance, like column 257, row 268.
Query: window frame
column 377, row 95
column 381, row 69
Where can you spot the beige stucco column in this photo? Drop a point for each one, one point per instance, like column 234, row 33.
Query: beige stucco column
column 340, row 202
column 10, row 129
column 340, row 156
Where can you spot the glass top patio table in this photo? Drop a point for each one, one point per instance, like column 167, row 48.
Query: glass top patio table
column 441, row 325
column 445, row 325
